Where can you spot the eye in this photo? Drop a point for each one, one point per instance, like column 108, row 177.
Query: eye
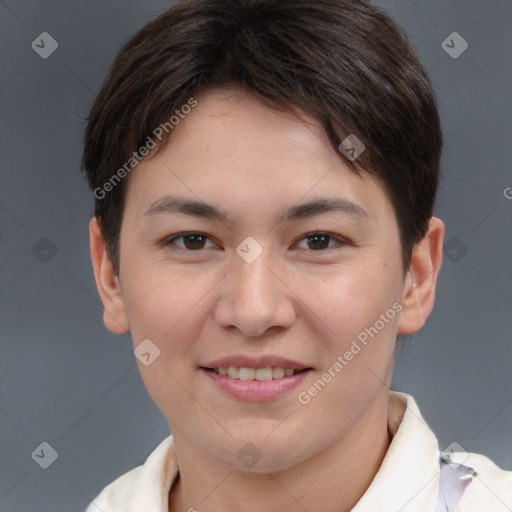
column 192, row 241
column 319, row 241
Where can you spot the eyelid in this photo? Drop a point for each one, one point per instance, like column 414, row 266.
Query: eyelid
column 167, row 241
column 341, row 241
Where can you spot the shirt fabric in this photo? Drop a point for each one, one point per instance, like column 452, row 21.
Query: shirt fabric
column 408, row 479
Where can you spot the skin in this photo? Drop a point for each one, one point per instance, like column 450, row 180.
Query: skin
column 292, row 301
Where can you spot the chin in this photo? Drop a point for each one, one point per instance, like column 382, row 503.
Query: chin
column 261, row 454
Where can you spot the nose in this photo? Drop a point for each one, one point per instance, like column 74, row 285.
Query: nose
column 255, row 298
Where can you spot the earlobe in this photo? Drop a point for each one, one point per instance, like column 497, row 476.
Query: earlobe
column 420, row 283
column 114, row 315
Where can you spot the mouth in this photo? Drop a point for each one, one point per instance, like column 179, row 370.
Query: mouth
column 261, row 374
column 255, row 379
column 260, row 384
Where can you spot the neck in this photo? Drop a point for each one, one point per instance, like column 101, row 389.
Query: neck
column 331, row 481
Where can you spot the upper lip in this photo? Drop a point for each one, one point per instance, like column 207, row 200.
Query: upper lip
column 255, row 362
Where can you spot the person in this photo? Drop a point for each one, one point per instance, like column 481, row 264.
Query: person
column 264, row 177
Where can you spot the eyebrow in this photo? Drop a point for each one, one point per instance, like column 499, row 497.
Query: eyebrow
column 174, row 205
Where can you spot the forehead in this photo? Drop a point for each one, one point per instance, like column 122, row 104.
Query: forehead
column 236, row 121
column 234, row 151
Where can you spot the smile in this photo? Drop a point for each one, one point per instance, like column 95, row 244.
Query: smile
column 248, row 384
column 260, row 374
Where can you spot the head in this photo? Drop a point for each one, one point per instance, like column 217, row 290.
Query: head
column 252, row 107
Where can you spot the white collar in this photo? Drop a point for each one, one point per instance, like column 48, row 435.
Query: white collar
column 408, row 478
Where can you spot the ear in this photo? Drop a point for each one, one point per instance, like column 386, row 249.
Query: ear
column 420, row 283
column 114, row 315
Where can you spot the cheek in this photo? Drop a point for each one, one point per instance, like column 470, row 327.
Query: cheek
column 352, row 299
column 359, row 312
column 157, row 297
column 358, row 345
column 169, row 306
column 160, row 307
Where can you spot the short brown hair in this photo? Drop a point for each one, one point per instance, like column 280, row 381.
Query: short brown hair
column 344, row 62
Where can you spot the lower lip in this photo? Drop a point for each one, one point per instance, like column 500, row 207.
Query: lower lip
column 255, row 390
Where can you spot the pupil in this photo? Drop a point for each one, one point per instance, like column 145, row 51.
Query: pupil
column 316, row 238
column 195, row 237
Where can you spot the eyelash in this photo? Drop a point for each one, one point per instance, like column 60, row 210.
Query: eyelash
column 169, row 241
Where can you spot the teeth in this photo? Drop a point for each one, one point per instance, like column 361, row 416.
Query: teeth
column 277, row 373
column 261, row 374
column 246, row 373
column 264, row 373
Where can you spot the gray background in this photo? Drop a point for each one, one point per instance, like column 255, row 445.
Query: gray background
column 68, row 381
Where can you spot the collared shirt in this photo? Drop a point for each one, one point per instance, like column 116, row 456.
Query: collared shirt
column 408, row 479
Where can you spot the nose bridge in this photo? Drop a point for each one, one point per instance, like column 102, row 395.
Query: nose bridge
column 254, row 281
column 255, row 297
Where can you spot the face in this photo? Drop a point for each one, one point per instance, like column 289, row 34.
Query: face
column 269, row 284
